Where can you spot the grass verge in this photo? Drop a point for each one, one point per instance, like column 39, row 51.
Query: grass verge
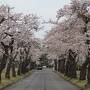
column 6, row 82
column 76, row 82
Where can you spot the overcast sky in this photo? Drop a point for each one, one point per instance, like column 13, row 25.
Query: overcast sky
column 43, row 8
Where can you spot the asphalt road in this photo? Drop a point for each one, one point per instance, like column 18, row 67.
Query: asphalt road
column 43, row 80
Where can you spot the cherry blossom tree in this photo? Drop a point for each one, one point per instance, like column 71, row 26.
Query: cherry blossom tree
column 69, row 37
column 17, row 39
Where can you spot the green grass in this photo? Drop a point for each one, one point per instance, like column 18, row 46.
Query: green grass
column 88, row 89
column 6, row 82
column 76, row 82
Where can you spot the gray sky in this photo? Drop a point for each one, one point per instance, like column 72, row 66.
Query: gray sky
column 43, row 8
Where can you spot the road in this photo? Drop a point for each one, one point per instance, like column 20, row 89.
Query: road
column 43, row 80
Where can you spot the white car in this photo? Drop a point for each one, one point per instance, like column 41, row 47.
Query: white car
column 44, row 67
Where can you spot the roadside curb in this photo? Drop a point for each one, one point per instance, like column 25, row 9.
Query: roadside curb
column 22, row 77
column 69, row 81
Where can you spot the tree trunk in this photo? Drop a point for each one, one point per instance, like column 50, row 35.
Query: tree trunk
column 73, row 71
column 55, row 62
column 3, row 64
column 67, row 68
column 19, row 68
column 0, row 76
column 71, row 64
column 83, row 70
column 13, row 70
column 7, row 74
column 88, row 75
column 62, row 66
column 23, row 68
column 59, row 64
